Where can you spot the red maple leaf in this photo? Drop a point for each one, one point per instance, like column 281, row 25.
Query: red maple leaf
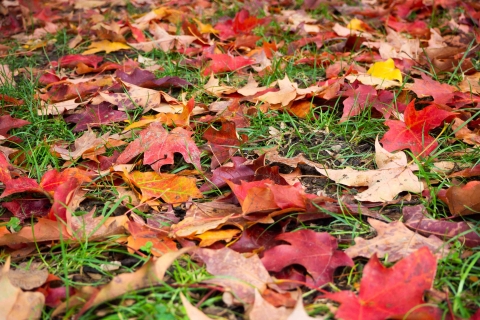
column 222, row 143
column 388, row 292
column 95, row 116
column 243, row 23
column 315, row 251
column 224, row 62
column 7, row 123
column 413, row 133
column 158, row 147
column 442, row 93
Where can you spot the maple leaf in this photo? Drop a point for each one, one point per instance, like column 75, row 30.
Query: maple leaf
column 389, row 292
column 106, row 46
column 315, row 251
column 235, row 272
column 192, row 311
column 72, row 60
column 222, row 142
column 392, row 177
column 95, row 116
column 395, row 241
column 87, row 143
column 140, row 235
column 170, row 187
column 442, row 93
column 363, row 96
column 463, row 200
column 385, row 70
column 242, row 23
column 223, row 62
column 24, row 209
column 413, row 132
column 158, row 147
column 163, row 40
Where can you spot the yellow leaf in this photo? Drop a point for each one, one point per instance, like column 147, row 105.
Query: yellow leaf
column 205, row 28
column 356, row 24
column 106, row 46
column 210, row 237
column 385, row 70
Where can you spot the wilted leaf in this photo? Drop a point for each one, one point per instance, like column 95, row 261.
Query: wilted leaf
column 395, row 241
column 392, row 177
column 96, row 116
column 315, row 251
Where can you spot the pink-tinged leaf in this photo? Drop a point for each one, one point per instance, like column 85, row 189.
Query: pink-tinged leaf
column 7, row 123
column 72, row 60
column 442, row 93
column 256, row 237
column 413, row 133
column 234, row 173
column 146, row 79
column 358, row 99
column 104, row 163
column 25, row 209
column 95, row 116
column 389, row 292
column 317, row 252
column 223, row 62
column 415, row 219
column 158, row 147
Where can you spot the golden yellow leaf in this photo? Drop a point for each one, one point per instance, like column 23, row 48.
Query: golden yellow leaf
column 205, row 28
column 356, row 24
column 385, row 70
column 210, row 237
column 106, row 46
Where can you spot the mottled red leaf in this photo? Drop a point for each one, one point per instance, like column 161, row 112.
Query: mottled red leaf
column 366, row 96
column 415, row 219
column 223, row 62
column 52, row 179
column 20, row 184
column 95, row 116
column 389, row 292
column 158, row 147
column 413, row 133
column 140, row 235
column 418, row 28
column 62, row 198
column 315, row 251
column 442, row 93
column 256, row 237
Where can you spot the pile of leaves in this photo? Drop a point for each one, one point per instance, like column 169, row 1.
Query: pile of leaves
column 137, row 128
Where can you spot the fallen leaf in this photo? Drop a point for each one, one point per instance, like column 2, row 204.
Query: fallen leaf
column 158, row 146
column 416, row 219
column 395, row 241
column 169, row 187
column 393, row 176
column 140, row 235
column 385, row 70
column 192, row 312
column 87, row 143
column 315, row 251
column 413, row 132
column 462, row 132
column 261, row 310
column 16, row 303
column 464, row 200
column 237, row 274
column 106, row 46
column 389, row 292
column 442, row 93
column 224, row 62
column 96, row 116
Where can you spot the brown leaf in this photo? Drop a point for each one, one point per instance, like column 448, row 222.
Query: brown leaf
column 28, row 279
column 396, row 241
column 464, row 200
column 192, row 312
column 17, row 304
column 392, row 177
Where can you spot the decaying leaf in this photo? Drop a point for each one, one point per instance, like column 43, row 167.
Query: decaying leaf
column 395, row 241
column 393, row 176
